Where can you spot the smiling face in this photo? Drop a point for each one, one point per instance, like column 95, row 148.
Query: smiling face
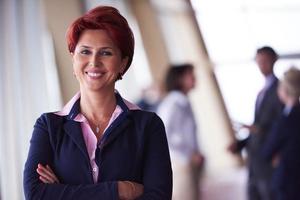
column 97, row 61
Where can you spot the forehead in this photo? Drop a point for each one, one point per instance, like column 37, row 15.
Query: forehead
column 95, row 38
column 263, row 55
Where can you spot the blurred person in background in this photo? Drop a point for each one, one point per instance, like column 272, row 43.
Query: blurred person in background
column 283, row 144
column 177, row 115
column 150, row 98
column 99, row 146
column 267, row 109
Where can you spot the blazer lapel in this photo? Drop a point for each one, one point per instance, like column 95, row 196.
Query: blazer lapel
column 118, row 126
column 73, row 129
column 266, row 98
column 116, row 129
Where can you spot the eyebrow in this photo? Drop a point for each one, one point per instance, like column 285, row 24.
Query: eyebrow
column 88, row 47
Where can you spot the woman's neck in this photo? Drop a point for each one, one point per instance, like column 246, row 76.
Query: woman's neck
column 97, row 106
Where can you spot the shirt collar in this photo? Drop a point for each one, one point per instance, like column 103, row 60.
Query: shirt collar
column 72, row 108
column 180, row 97
column 287, row 110
column 269, row 80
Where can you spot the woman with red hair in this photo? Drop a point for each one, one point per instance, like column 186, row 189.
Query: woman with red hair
column 99, row 146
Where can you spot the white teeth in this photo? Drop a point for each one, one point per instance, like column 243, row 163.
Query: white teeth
column 93, row 74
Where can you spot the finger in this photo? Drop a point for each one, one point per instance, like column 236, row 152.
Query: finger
column 137, row 185
column 125, row 190
column 40, row 170
column 49, row 168
column 43, row 170
column 49, row 173
column 46, row 174
column 44, row 180
column 139, row 189
column 54, row 176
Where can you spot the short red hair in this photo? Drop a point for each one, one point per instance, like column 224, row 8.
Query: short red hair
column 106, row 18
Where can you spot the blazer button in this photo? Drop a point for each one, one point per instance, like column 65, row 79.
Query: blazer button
column 94, row 169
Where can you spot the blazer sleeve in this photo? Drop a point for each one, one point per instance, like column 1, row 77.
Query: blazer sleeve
column 40, row 151
column 157, row 172
column 275, row 140
column 270, row 112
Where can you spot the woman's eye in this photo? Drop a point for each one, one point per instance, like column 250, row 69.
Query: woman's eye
column 85, row 52
column 105, row 53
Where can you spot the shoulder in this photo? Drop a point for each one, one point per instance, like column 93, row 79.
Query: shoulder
column 146, row 119
column 47, row 128
column 148, row 126
column 273, row 95
column 274, row 85
column 49, row 119
column 51, row 116
column 142, row 115
column 178, row 97
column 175, row 98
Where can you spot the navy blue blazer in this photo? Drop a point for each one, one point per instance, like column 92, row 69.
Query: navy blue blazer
column 133, row 148
column 285, row 142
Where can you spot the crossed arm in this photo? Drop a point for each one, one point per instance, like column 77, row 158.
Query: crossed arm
column 127, row 190
column 41, row 182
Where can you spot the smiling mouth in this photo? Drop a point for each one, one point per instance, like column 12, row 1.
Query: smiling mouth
column 94, row 74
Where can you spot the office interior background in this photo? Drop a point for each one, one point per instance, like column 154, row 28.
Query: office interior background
column 218, row 37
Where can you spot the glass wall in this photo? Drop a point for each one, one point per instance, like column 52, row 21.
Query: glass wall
column 232, row 32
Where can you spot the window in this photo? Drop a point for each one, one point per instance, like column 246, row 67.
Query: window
column 233, row 30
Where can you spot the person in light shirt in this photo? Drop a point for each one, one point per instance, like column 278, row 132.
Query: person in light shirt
column 99, row 146
column 177, row 115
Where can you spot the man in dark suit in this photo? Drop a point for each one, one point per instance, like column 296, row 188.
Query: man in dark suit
column 267, row 110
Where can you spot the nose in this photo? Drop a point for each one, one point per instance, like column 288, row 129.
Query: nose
column 94, row 61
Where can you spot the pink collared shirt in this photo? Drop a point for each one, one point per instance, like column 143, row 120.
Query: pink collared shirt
column 89, row 137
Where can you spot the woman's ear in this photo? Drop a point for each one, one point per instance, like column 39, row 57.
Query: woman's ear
column 72, row 56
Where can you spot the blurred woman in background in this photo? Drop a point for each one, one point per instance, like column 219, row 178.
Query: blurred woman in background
column 177, row 115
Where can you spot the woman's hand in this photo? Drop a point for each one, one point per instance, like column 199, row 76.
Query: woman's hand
column 46, row 174
column 233, row 147
column 129, row 190
column 252, row 128
column 197, row 159
column 276, row 160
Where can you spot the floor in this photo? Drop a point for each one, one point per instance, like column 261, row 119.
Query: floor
column 230, row 185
